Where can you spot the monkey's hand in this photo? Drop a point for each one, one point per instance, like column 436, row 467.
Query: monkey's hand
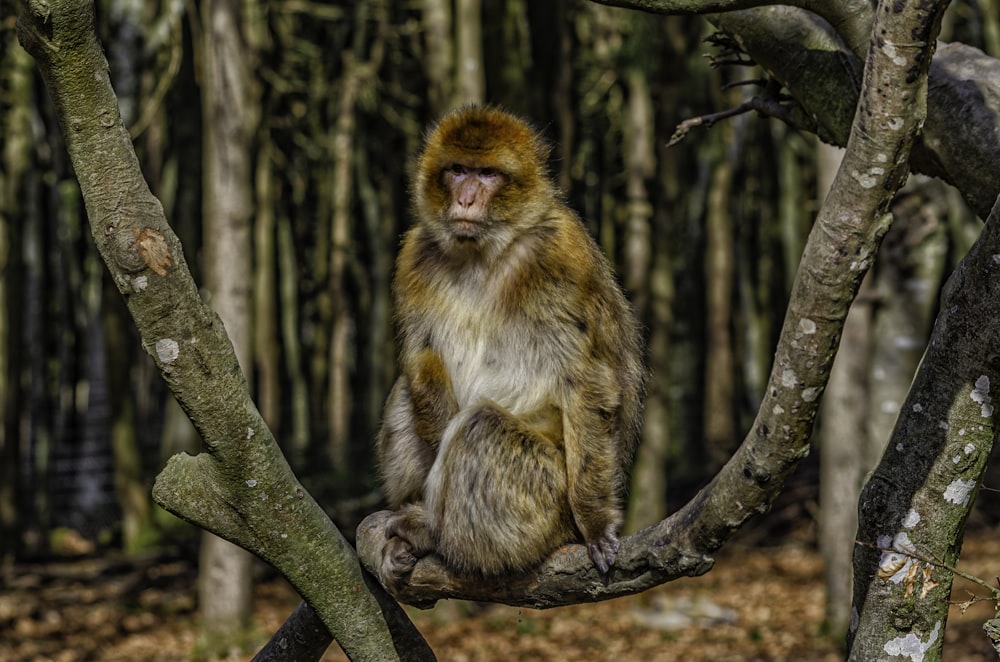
column 604, row 550
column 397, row 561
column 407, row 540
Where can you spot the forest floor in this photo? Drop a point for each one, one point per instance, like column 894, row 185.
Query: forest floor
column 756, row 604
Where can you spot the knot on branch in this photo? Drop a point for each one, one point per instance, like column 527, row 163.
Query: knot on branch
column 46, row 27
column 125, row 251
column 152, row 249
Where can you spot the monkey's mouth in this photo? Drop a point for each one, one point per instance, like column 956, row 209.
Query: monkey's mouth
column 464, row 229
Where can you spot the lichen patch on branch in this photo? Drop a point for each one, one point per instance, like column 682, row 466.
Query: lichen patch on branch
column 167, row 350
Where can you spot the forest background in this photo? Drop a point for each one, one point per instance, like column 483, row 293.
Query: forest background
column 705, row 234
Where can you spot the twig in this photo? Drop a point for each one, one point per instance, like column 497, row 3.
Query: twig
column 994, row 591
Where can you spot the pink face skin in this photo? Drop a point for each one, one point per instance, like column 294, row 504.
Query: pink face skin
column 472, row 190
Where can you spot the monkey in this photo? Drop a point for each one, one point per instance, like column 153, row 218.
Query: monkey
column 513, row 424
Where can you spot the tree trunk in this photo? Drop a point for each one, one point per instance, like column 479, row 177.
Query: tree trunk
column 907, row 281
column 720, row 431
column 647, row 504
column 225, row 571
column 16, row 70
column 131, row 485
column 440, row 59
column 470, row 77
column 340, row 395
column 265, row 304
column 381, row 235
column 842, row 439
column 297, row 444
column 842, row 462
column 914, row 506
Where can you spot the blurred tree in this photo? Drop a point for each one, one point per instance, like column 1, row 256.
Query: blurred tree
column 16, row 70
column 229, row 106
column 470, row 76
column 126, row 21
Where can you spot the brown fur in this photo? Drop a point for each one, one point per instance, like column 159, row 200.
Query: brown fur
column 513, row 424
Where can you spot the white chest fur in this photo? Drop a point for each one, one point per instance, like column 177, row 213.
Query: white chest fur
column 509, row 363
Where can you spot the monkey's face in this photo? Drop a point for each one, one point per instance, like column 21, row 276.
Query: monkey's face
column 471, row 191
column 481, row 181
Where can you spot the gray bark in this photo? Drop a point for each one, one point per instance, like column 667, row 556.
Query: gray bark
column 914, row 507
column 225, row 573
column 233, row 488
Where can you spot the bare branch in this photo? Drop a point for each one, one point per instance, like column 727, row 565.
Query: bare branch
column 241, row 489
column 841, row 246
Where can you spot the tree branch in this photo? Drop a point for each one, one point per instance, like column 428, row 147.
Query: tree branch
column 241, row 488
column 922, row 491
column 959, row 142
column 818, row 62
column 851, row 18
column 838, row 254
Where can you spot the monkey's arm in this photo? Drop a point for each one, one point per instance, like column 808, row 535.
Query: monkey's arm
column 432, row 395
column 590, row 420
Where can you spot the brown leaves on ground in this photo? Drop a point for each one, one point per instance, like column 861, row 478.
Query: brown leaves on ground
column 759, row 604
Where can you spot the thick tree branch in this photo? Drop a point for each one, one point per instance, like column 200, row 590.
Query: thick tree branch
column 241, row 488
column 819, row 63
column 919, row 497
column 839, row 252
column 960, row 141
column 851, row 18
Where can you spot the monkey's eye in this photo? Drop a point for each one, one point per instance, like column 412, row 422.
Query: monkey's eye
column 458, row 169
column 488, row 172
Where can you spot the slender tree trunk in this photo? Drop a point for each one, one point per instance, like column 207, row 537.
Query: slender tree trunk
column 440, row 60
column 131, row 486
column 298, row 441
column 341, row 335
column 561, row 96
column 37, row 421
column 720, row 432
column 843, row 440
column 794, row 222
column 907, row 281
column 380, row 368
column 843, row 461
column 991, row 26
column 649, row 479
column 225, row 580
column 361, row 65
column 265, row 304
column 470, row 77
column 16, row 70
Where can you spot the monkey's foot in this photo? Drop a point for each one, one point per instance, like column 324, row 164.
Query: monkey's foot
column 604, row 550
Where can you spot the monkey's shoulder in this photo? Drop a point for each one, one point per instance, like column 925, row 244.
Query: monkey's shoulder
column 556, row 254
column 552, row 279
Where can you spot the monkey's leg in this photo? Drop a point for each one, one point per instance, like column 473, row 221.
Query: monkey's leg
column 418, row 409
column 496, row 497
